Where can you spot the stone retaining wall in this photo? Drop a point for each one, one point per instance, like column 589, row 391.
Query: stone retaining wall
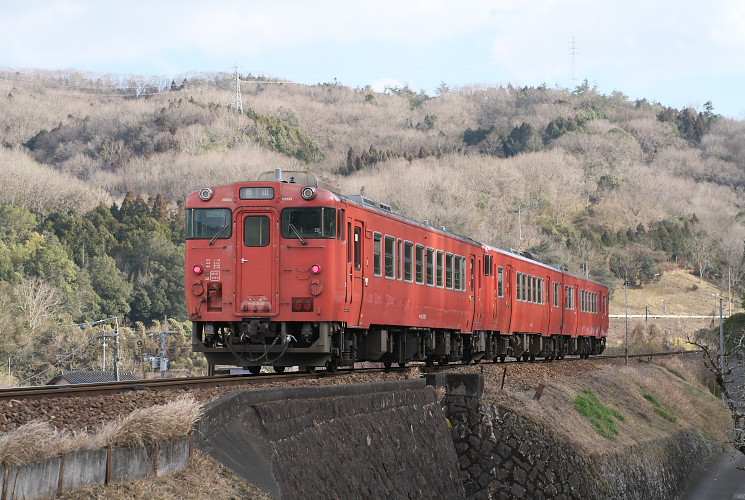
column 503, row 455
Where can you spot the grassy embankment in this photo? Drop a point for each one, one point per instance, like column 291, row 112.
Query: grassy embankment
column 678, row 293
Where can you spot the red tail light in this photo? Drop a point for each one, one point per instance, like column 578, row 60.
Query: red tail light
column 197, row 269
column 302, row 304
column 315, row 269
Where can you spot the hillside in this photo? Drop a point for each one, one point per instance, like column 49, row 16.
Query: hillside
column 96, row 166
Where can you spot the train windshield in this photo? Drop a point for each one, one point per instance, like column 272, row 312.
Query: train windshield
column 208, row 223
column 309, row 222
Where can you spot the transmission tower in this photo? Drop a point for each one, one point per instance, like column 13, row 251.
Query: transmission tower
column 573, row 55
column 238, row 101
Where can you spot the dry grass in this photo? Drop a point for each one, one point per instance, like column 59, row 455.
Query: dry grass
column 622, row 389
column 151, row 425
column 203, row 479
column 38, row 440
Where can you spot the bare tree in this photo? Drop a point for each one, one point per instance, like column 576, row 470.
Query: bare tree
column 701, row 248
column 39, row 303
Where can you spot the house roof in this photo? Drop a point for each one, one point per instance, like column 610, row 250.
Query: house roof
column 89, row 377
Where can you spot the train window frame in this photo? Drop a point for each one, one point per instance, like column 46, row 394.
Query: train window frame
column 419, row 266
column 357, row 248
column 449, row 270
column 341, row 217
column 377, row 254
column 557, row 294
column 197, row 229
column 457, row 273
column 488, row 265
column 500, row 282
column 408, row 264
column 429, row 265
column 264, row 231
column 460, row 278
column 307, row 230
column 349, row 246
column 389, row 250
column 519, row 287
column 439, row 269
column 399, row 253
column 539, row 284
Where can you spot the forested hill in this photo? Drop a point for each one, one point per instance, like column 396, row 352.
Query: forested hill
column 95, row 168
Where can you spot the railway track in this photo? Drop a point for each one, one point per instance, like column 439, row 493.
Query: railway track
column 168, row 384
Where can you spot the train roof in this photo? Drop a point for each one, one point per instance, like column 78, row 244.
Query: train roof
column 311, row 179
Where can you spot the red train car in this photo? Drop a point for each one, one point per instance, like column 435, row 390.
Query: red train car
column 287, row 272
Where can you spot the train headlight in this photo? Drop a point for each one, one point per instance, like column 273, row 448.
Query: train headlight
column 205, row 194
column 308, row 193
column 197, row 269
column 315, row 269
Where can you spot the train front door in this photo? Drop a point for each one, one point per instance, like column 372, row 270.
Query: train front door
column 257, row 266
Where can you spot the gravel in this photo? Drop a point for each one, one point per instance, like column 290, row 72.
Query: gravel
column 87, row 413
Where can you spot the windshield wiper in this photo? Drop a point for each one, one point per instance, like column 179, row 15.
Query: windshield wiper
column 217, row 234
column 297, row 233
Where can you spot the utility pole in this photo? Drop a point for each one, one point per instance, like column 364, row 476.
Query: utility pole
column 163, row 357
column 238, row 101
column 721, row 341
column 626, row 287
column 116, row 350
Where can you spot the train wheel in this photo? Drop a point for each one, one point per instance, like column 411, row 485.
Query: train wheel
column 443, row 361
column 429, row 362
column 387, row 365
column 310, row 369
column 332, row 365
column 253, row 370
column 402, row 364
column 279, row 369
column 502, row 357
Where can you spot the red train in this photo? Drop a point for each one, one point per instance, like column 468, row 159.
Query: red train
column 286, row 272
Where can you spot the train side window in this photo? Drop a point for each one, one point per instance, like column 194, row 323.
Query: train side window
column 358, row 248
column 340, row 224
column 449, row 271
column 390, row 257
column 500, row 281
column 456, row 272
column 256, row 231
column 430, row 267
column 408, row 261
column 419, row 264
column 438, row 268
column 557, row 293
column 399, row 254
column 520, row 286
column 349, row 239
column 539, row 282
column 377, row 254
column 487, row 265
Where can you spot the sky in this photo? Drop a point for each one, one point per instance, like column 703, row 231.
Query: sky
column 678, row 53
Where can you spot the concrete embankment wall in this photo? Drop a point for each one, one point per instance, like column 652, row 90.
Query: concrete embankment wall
column 379, row 440
column 72, row 471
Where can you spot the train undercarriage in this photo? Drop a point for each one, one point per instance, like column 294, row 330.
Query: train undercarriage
column 254, row 343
